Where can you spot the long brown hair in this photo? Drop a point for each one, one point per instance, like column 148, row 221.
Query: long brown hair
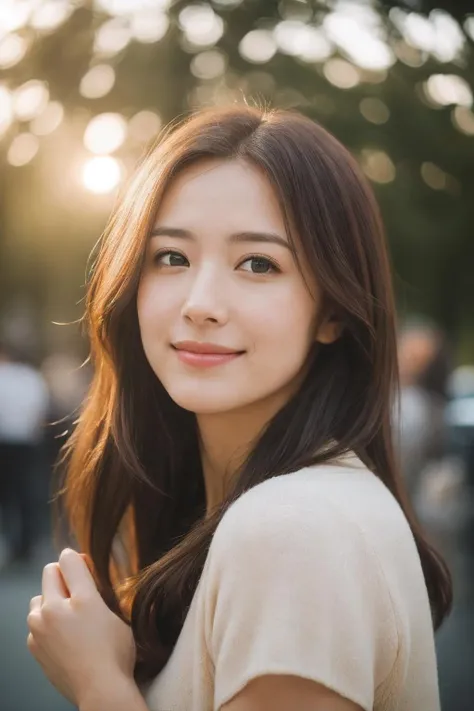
column 133, row 492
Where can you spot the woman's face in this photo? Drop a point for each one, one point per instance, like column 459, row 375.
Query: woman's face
column 220, row 275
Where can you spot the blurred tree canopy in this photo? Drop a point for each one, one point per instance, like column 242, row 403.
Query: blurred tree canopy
column 391, row 80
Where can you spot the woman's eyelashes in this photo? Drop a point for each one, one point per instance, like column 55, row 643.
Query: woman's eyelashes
column 260, row 265
column 170, row 258
column 253, row 263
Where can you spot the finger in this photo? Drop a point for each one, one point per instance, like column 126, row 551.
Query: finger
column 34, row 621
column 32, row 645
column 88, row 562
column 90, row 565
column 36, row 602
column 53, row 584
column 76, row 573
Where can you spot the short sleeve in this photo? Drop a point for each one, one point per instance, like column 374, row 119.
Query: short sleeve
column 295, row 588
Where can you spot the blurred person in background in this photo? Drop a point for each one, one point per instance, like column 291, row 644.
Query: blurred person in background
column 24, row 402
column 420, row 417
column 460, row 420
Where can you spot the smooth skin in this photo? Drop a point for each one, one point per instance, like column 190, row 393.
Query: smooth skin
column 220, row 269
column 207, row 277
column 287, row 693
column 84, row 649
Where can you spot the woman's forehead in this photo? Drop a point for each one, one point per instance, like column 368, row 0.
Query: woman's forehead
column 230, row 192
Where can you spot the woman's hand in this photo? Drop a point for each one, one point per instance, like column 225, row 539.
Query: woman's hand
column 79, row 643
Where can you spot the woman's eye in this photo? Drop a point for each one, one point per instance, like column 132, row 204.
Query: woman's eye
column 259, row 265
column 170, row 259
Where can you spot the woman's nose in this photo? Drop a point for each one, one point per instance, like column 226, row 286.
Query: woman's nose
column 205, row 302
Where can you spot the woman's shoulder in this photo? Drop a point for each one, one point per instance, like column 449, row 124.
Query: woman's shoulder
column 319, row 510
column 317, row 495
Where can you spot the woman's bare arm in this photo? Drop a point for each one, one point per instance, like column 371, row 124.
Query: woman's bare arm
column 286, row 693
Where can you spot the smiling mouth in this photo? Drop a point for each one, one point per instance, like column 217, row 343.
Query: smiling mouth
column 202, row 355
column 204, row 348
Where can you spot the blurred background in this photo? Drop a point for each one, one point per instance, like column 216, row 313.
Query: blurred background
column 86, row 85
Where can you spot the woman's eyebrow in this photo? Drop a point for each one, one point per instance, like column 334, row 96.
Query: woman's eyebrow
column 246, row 236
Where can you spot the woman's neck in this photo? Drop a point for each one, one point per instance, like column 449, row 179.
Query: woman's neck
column 227, row 438
column 225, row 442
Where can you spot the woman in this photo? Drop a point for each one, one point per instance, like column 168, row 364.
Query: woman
column 231, row 479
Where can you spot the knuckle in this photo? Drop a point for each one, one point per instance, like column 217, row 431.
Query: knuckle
column 33, row 620
column 65, row 553
column 35, row 602
column 31, row 644
column 49, row 568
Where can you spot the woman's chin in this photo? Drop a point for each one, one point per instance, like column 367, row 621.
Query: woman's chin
column 205, row 403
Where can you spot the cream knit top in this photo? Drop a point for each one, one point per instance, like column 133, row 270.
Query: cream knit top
column 315, row 574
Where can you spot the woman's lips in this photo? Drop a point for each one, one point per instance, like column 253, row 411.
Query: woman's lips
column 205, row 360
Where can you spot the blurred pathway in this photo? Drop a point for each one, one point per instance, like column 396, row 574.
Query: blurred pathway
column 454, row 535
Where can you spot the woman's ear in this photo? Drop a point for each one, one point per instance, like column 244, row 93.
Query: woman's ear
column 329, row 329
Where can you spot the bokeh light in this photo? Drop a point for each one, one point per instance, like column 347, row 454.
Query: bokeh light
column 12, row 50
column 411, row 56
column 258, row 46
column 433, row 176
column 374, row 110
column 111, row 37
column 13, row 15
column 50, row 14
column 463, row 120
column 292, row 37
column 357, row 30
column 209, row 64
column 148, row 27
column 128, row 7
column 101, row 174
column 105, row 133
column 469, row 26
column 97, row 82
column 30, row 99
column 377, row 165
column 438, row 34
column 23, row 149
column 202, row 27
column 449, row 40
column 446, row 89
column 317, row 47
column 341, row 73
